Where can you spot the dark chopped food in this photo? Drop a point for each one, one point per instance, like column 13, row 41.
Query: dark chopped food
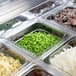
column 66, row 17
column 38, row 72
column 41, row 7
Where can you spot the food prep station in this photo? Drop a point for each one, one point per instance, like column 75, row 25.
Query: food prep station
column 38, row 38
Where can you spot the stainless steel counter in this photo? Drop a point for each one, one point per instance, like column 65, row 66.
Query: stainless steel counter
column 13, row 8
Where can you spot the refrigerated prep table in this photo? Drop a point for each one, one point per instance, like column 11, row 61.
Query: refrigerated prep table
column 35, row 39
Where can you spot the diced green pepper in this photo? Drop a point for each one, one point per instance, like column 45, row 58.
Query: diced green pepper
column 37, row 42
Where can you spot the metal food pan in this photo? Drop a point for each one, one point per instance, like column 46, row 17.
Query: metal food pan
column 12, row 23
column 57, row 10
column 9, row 24
column 6, row 49
column 36, row 71
column 42, row 8
column 38, row 25
column 70, row 43
column 41, row 69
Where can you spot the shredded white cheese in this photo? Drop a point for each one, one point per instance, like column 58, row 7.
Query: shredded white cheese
column 66, row 61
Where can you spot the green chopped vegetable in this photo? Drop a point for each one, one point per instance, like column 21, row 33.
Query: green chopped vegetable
column 7, row 25
column 37, row 42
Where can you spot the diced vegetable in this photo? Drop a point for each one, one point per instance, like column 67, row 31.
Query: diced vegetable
column 37, row 42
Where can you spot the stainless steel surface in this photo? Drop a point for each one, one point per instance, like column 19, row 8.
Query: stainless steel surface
column 3, row 1
column 14, row 8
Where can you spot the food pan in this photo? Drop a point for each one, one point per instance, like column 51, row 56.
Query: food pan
column 41, row 69
column 11, row 59
column 64, row 57
column 42, row 8
column 37, row 71
column 12, row 23
column 67, row 21
column 39, row 27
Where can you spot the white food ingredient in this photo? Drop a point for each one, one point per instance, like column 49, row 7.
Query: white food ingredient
column 8, row 65
column 66, row 60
